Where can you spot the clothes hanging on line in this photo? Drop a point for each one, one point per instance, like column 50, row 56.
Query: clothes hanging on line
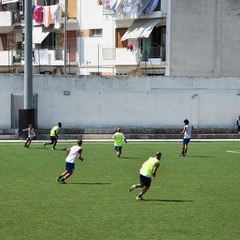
column 46, row 14
column 56, row 12
column 37, row 14
column 47, row 17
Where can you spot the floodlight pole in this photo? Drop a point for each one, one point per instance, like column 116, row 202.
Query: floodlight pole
column 27, row 114
column 28, row 85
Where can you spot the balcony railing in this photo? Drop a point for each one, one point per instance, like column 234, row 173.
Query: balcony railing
column 96, row 55
column 153, row 52
column 40, row 56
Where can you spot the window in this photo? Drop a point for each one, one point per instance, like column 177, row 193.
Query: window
column 19, row 45
column 72, row 9
column 154, row 46
column 95, row 33
column 119, row 33
column 50, row 2
column 158, row 7
column 50, row 41
column 95, row 73
column 71, row 45
column 3, row 42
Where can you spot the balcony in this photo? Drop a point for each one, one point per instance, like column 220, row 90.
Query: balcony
column 133, row 10
column 6, row 58
column 124, row 56
column 123, row 61
column 6, row 21
column 44, row 60
column 119, row 56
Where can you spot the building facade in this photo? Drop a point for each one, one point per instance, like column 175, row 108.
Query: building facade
column 48, row 35
column 93, row 35
column 124, row 37
column 204, row 38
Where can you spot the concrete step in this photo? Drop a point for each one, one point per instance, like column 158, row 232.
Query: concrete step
column 128, row 136
column 8, row 137
column 75, row 136
column 130, row 133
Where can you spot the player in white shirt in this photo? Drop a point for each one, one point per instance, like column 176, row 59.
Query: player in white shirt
column 187, row 131
column 31, row 135
column 71, row 155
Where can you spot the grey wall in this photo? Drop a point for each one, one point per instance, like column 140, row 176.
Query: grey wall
column 127, row 101
column 204, row 38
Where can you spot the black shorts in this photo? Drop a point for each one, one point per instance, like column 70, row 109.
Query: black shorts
column 53, row 139
column 146, row 181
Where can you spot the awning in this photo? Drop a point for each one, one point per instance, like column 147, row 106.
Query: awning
column 6, row 29
column 141, row 28
column 38, row 35
column 9, row 1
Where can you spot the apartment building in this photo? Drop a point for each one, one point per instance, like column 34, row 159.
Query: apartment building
column 188, row 38
column 126, row 37
column 101, row 38
column 47, row 36
column 122, row 37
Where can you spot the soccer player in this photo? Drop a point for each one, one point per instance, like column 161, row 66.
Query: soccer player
column 71, row 153
column 31, row 135
column 54, row 135
column 187, row 131
column 238, row 124
column 149, row 169
column 118, row 141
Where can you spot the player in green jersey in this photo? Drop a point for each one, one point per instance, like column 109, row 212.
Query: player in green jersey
column 149, row 169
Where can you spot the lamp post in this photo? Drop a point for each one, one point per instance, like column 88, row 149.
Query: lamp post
column 28, row 86
column 27, row 114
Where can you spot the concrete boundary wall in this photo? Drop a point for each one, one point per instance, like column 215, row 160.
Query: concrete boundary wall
column 128, row 102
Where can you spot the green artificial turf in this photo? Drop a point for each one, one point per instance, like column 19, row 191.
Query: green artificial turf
column 192, row 197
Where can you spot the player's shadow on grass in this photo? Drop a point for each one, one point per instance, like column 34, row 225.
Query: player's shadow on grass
column 168, row 200
column 201, row 156
column 46, row 148
column 90, row 183
column 128, row 158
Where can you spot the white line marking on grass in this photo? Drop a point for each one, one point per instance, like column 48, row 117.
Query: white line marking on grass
column 236, row 151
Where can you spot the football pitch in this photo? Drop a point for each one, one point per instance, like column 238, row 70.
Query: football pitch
column 192, row 197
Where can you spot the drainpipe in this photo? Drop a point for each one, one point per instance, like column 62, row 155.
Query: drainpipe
column 168, row 39
column 65, row 38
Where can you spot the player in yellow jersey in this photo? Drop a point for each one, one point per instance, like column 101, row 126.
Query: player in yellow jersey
column 149, row 169
column 54, row 135
column 119, row 138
